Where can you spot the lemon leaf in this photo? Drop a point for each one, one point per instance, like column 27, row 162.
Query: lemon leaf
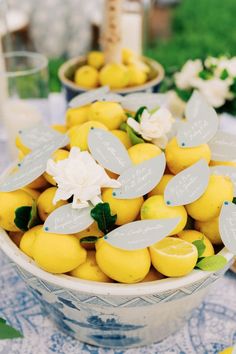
column 212, row 263
column 139, row 113
column 135, row 139
column 34, row 219
column 26, row 217
column 89, row 239
column 200, row 246
column 7, row 332
column 102, row 214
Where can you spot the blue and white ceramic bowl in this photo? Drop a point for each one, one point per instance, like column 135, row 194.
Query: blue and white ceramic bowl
column 114, row 315
column 67, row 71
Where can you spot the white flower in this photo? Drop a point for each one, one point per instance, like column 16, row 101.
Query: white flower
column 228, row 64
column 215, row 90
column 153, row 126
column 79, row 176
column 211, row 61
column 188, row 73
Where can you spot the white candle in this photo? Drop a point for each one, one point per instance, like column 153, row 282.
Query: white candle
column 3, row 81
column 132, row 32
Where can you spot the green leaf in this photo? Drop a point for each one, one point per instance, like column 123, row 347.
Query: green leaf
column 205, row 74
column 212, row 263
column 224, row 75
column 200, row 246
column 128, row 115
column 123, row 126
column 139, row 113
column 26, row 217
column 184, row 94
column 234, row 200
column 135, row 139
column 89, row 239
column 7, row 332
column 102, row 214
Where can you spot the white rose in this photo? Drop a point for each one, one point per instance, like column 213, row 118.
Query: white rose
column 188, row 73
column 229, row 65
column 153, row 126
column 79, row 176
column 211, row 61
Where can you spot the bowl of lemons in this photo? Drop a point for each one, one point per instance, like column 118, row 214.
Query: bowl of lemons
column 134, row 74
column 89, row 221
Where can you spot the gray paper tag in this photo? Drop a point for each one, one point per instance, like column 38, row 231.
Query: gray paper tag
column 229, row 171
column 134, row 101
column 223, row 147
column 111, row 97
column 141, row 234
column 107, row 149
column 33, row 165
column 66, row 220
column 140, row 179
column 227, row 226
column 88, row 97
column 202, row 123
column 37, row 136
column 188, row 185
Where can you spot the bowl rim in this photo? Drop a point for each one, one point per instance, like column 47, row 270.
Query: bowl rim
column 146, row 86
column 96, row 288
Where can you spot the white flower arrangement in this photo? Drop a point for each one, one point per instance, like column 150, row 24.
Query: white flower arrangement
column 214, row 78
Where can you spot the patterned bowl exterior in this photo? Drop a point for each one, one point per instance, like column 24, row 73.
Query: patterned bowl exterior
column 72, row 90
column 114, row 315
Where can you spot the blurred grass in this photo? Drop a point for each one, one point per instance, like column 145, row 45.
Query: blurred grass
column 199, row 28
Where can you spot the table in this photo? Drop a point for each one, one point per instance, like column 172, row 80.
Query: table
column 210, row 328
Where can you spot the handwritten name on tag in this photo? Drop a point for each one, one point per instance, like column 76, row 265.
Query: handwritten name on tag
column 140, row 179
column 108, row 150
column 227, row 226
column 88, row 97
column 134, row 101
column 188, row 185
column 66, row 220
column 223, row 147
column 140, row 234
column 38, row 136
column 112, row 97
column 201, row 125
column 33, row 165
column 229, row 171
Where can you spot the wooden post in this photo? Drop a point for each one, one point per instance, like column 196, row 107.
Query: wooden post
column 111, row 33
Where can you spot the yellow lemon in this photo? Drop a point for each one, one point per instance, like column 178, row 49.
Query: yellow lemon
column 223, row 163
column 126, row 210
column 61, row 128
column 45, row 203
column 116, row 76
column 128, row 56
column 87, row 77
column 19, row 144
column 27, row 241
column 208, row 206
column 58, row 155
column 34, row 193
column 58, row 253
column 79, row 135
column 121, row 265
column 9, row 202
column 161, row 186
column 77, row 116
column 174, row 257
column 227, row 351
column 111, row 114
column 210, row 229
column 179, row 158
column 153, row 275
column 156, row 208
column 92, row 230
column 142, row 152
column 193, row 235
column 89, row 270
column 136, row 75
column 123, row 137
column 96, row 59
column 38, row 183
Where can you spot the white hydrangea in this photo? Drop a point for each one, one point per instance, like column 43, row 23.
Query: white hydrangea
column 189, row 72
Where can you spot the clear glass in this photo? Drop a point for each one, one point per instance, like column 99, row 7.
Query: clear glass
column 23, row 92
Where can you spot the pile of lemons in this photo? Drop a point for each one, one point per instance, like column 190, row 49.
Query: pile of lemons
column 131, row 72
column 174, row 256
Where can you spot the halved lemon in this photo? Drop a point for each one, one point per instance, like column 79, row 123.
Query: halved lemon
column 174, row 257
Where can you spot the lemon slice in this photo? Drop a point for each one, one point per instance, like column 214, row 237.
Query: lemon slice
column 174, row 257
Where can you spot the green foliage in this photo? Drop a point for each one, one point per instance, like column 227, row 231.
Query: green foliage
column 102, row 214
column 26, row 217
column 212, row 263
column 7, row 332
column 53, row 67
column 200, row 247
column 89, row 239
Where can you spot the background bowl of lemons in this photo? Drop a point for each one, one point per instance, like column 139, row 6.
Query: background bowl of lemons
column 134, row 74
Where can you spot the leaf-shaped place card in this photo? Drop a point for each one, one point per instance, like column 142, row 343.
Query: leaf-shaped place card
column 134, row 101
column 223, row 146
column 229, row 171
column 112, row 97
column 188, row 185
column 227, row 226
column 33, row 165
column 140, row 179
column 140, row 234
column 201, row 125
column 108, row 150
column 37, row 136
column 88, row 97
column 66, row 220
